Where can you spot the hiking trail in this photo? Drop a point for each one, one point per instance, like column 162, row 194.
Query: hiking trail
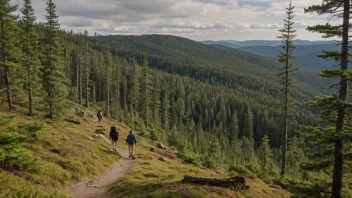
column 99, row 186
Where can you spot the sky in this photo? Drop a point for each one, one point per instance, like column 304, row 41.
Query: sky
column 194, row 19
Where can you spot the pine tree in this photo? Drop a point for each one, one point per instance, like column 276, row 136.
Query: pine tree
column 286, row 81
column 31, row 50
column 54, row 76
column 248, row 124
column 9, row 51
column 86, row 68
column 108, row 69
column 156, row 101
column 333, row 137
column 264, row 153
column 165, row 107
column 135, row 86
column 233, row 129
column 146, row 91
column 295, row 155
column 117, row 86
column 213, row 154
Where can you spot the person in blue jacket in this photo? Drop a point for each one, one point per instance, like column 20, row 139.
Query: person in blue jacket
column 131, row 141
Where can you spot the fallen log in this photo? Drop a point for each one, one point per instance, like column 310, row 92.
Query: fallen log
column 235, row 183
column 72, row 121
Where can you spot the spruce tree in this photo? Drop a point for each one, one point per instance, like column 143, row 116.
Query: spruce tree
column 264, row 153
column 54, row 77
column 165, row 107
column 86, row 68
column 9, row 51
column 31, row 53
column 156, row 101
column 135, row 86
column 335, row 134
column 248, row 124
column 146, row 92
column 108, row 69
column 286, row 81
column 233, row 129
column 116, row 83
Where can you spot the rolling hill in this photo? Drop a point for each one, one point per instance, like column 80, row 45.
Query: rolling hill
column 247, row 43
column 222, row 65
column 305, row 54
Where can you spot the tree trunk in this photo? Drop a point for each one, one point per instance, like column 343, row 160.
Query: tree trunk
column 80, row 82
column 30, row 99
column 107, row 96
column 237, row 182
column 7, row 84
column 93, row 92
column 118, row 92
column 77, row 78
column 338, row 158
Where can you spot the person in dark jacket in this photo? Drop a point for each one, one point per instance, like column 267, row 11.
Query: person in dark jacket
column 114, row 135
column 100, row 116
column 131, row 141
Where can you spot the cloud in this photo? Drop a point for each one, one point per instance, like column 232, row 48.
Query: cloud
column 196, row 19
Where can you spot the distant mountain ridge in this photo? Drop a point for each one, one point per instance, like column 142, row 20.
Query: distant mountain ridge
column 238, row 44
column 305, row 52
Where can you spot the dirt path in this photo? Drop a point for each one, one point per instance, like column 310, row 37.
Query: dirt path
column 100, row 185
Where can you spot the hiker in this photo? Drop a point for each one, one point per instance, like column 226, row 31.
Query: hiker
column 114, row 135
column 100, row 116
column 131, row 141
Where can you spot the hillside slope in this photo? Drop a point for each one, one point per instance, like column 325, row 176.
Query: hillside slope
column 305, row 54
column 68, row 153
column 230, row 68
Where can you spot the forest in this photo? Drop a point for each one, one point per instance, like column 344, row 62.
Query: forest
column 220, row 107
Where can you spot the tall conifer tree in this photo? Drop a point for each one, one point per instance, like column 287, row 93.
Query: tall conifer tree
column 31, row 50
column 108, row 70
column 9, row 50
column 286, row 81
column 337, row 133
column 54, row 76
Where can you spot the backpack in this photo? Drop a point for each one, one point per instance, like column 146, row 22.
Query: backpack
column 114, row 133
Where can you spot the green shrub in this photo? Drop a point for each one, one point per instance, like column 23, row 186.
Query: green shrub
column 241, row 170
column 5, row 119
column 12, row 155
column 191, row 158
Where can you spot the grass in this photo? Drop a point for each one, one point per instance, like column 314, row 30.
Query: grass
column 65, row 155
column 155, row 179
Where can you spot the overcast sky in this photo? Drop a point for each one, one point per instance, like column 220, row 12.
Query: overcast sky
column 194, row 19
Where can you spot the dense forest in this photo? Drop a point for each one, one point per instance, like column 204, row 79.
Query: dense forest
column 220, row 107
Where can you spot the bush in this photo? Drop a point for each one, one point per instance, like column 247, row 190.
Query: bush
column 241, row 170
column 191, row 158
column 5, row 119
column 12, row 155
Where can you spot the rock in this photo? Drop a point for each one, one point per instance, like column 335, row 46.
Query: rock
column 160, row 145
column 173, row 148
column 153, row 150
column 99, row 131
column 90, row 138
column 72, row 121
column 162, row 159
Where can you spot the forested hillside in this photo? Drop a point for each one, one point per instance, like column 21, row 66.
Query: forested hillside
column 305, row 54
column 219, row 107
column 221, row 93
